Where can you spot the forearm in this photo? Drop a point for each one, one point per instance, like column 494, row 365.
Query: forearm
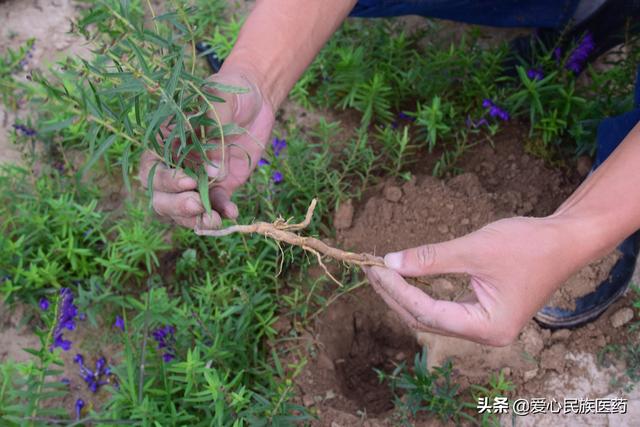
column 280, row 39
column 605, row 209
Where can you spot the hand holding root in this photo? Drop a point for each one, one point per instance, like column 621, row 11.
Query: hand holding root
column 282, row 231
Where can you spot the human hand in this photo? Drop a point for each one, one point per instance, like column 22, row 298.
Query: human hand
column 174, row 193
column 515, row 266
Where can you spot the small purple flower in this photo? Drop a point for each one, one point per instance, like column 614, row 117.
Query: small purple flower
column 65, row 381
column 535, row 74
column 67, row 312
column 580, row 54
column 262, row 162
column 60, row 342
column 44, row 304
column 100, row 365
column 119, row 323
column 82, row 316
column 26, row 131
column 278, row 145
column 94, row 379
column 79, row 359
column 277, row 177
column 495, row 111
column 165, row 339
column 79, row 406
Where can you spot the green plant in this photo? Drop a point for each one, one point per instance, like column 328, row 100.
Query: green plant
column 425, row 391
column 497, row 386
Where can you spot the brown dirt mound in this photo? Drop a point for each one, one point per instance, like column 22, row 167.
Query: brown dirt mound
column 357, row 332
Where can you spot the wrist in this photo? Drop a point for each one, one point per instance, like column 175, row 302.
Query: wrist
column 584, row 235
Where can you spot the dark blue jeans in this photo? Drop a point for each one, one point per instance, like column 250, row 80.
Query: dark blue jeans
column 495, row 13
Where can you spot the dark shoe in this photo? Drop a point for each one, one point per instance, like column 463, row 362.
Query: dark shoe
column 215, row 63
column 592, row 305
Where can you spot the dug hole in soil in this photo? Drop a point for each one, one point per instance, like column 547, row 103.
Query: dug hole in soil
column 358, row 334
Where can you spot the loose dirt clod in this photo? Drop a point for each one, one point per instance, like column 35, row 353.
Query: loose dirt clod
column 621, row 317
column 393, row 193
column 343, row 217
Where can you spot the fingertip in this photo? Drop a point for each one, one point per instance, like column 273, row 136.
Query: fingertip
column 211, row 221
column 393, row 260
column 187, row 183
column 231, row 210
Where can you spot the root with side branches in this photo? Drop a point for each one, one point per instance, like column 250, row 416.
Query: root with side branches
column 282, row 231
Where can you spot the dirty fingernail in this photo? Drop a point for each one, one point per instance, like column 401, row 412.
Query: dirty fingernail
column 393, row 260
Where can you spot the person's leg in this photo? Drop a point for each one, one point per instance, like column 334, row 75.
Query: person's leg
column 496, row 13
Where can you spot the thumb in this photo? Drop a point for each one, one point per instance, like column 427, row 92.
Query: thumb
column 437, row 258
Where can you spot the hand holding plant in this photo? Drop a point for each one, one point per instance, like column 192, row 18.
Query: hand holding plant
column 229, row 164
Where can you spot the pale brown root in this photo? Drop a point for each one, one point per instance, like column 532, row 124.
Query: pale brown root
column 280, row 230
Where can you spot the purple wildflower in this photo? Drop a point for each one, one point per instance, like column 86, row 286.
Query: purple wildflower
column 581, row 53
column 277, row 177
column 535, row 74
column 44, row 304
column 27, row 56
column 278, row 145
column 165, row 339
column 119, row 323
column 262, row 162
column 67, row 312
column 93, row 379
column 495, row 111
column 26, row 131
column 65, row 381
column 79, row 406
column 82, row 316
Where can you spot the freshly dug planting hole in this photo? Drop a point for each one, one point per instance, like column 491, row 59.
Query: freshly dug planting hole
column 360, row 335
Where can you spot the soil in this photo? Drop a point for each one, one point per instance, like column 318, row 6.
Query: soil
column 359, row 334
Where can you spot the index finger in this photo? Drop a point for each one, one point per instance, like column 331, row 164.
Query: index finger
column 468, row 320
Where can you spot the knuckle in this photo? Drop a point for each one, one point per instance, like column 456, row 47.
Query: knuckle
column 426, row 255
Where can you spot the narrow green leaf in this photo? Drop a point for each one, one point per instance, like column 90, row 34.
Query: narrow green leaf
column 152, row 174
column 226, row 88
column 203, row 188
column 102, row 148
column 125, row 166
